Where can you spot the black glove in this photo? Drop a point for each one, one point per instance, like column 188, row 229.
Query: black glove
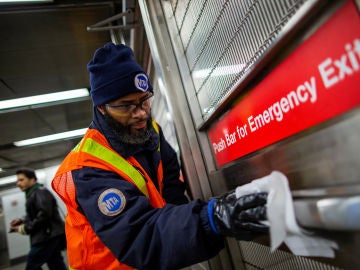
column 240, row 217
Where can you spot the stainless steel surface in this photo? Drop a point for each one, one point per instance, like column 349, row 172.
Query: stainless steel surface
column 349, row 190
column 332, row 208
column 320, row 163
column 323, row 170
column 334, row 213
column 171, row 86
column 189, row 102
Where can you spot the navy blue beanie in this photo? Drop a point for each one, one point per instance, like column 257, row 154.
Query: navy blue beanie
column 114, row 73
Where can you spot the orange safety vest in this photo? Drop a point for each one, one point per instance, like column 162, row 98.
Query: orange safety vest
column 85, row 249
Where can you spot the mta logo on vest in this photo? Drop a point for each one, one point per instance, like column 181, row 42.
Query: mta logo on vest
column 111, row 202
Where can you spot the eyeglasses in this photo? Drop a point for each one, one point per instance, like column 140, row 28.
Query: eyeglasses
column 127, row 109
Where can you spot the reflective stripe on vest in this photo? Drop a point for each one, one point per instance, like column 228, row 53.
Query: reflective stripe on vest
column 96, row 149
column 97, row 152
column 155, row 126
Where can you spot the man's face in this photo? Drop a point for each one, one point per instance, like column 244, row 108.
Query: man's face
column 130, row 116
column 24, row 182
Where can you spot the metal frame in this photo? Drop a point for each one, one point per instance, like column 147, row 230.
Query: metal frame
column 310, row 169
column 171, row 85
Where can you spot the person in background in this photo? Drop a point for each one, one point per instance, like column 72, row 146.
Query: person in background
column 42, row 222
column 126, row 205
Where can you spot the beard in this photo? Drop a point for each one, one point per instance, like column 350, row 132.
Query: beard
column 124, row 133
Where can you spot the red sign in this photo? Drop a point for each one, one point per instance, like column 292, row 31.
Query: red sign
column 318, row 81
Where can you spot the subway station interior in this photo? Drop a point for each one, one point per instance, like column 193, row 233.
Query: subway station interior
column 243, row 88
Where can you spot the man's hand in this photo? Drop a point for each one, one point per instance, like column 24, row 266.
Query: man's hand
column 15, row 225
column 14, row 229
column 240, row 217
column 16, row 222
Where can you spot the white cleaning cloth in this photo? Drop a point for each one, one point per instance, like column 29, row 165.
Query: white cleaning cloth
column 281, row 216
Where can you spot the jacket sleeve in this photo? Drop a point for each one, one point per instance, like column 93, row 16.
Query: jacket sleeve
column 174, row 188
column 41, row 206
column 141, row 236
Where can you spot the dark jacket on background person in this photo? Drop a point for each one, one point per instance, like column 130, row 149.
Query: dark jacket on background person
column 43, row 220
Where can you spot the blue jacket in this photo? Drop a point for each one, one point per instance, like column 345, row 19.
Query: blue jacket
column 172, row 237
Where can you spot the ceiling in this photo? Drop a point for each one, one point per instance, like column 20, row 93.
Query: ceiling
column 45, row 48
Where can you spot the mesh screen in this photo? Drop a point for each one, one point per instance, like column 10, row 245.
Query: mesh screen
column 222, row 39
column 257, row 256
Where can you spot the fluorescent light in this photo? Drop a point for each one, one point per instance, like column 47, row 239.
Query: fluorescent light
column 53, row 137
column 19, row 1
column 41, row 174
column 41, row 99
column 8, row 180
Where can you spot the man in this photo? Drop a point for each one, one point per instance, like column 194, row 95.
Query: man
column 42, row 222
column 126, row 204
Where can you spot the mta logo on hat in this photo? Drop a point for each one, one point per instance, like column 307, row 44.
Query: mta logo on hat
column 141, row 82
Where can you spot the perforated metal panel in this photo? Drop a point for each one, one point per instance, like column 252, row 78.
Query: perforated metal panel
column 278, row 260
column 223, row 39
